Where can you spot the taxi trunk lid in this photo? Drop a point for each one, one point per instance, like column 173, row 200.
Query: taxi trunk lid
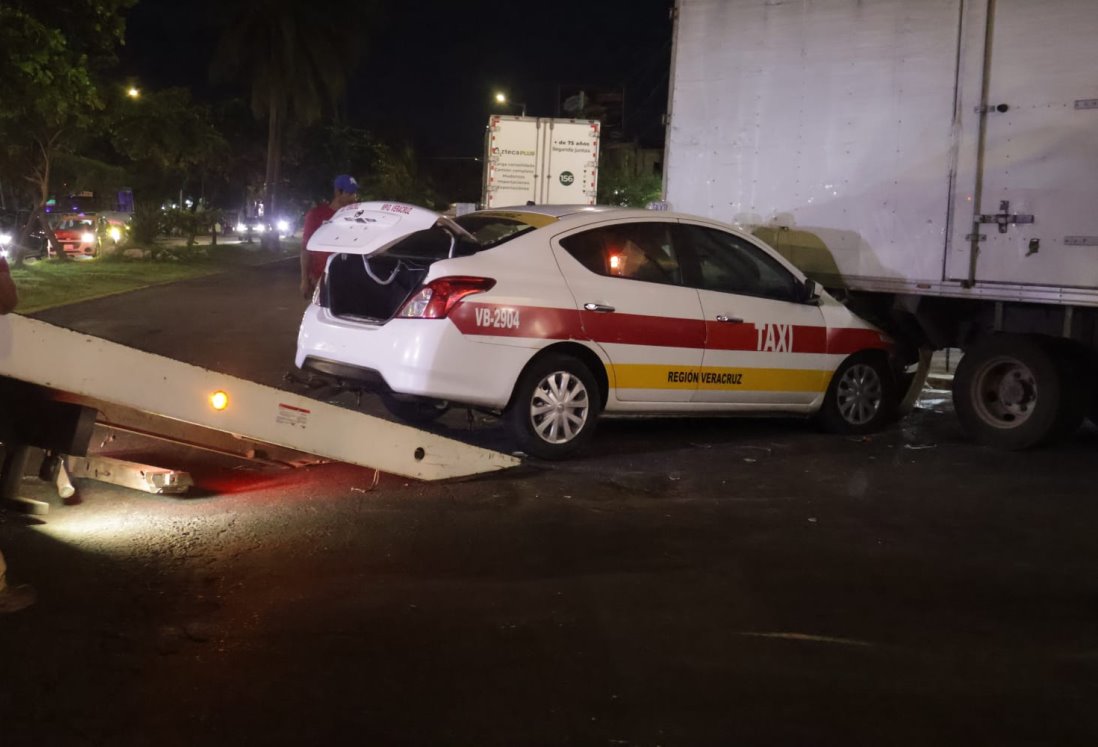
column 367, row 279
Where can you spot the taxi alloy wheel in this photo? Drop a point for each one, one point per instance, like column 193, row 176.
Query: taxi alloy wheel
column 555, row 406
column 861, row 396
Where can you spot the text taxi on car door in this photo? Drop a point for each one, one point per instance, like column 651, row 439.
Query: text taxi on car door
column 555, row 316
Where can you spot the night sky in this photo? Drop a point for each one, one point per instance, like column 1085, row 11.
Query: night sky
column 429, row 68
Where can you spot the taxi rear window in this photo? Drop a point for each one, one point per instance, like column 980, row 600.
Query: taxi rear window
column 487, row 229
column 493, row 230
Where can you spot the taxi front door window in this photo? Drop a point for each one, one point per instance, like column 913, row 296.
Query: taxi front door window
column 728, row 264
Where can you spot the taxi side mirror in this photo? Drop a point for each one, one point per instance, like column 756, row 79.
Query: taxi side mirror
column 810, row 291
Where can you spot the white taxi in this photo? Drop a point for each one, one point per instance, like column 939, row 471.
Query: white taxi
column 555, row 316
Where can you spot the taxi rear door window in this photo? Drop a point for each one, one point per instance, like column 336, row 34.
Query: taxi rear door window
column 633, row 251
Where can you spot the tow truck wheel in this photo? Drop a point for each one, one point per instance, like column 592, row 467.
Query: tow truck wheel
column 1008, row 392
column 861, row 397
column 554, row 407
column 414, row 410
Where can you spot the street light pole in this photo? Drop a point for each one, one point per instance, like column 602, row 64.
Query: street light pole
column 501, row 98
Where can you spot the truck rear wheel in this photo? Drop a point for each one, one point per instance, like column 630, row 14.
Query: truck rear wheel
column 1008, row 392
column 1075, row 381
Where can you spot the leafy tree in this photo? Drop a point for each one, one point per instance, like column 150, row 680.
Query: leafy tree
column 170, row 140
column 51, row 51
column 147, row 224
column 386, row 170
column 296, row 61
column 625, row 189
column 397, row 176
column 322, row 151
column 248, row 152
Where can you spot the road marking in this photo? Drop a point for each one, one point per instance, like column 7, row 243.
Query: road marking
column 809, row 637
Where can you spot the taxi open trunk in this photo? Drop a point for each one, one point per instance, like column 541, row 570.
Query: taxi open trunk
column 381, row 254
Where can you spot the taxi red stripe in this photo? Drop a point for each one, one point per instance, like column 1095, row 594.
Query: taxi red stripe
column 640, row 329
column 534, row 321
column 725, row 336
column 847, row 340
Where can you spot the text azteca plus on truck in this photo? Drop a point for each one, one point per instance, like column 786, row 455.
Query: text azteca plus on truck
column 554, row 316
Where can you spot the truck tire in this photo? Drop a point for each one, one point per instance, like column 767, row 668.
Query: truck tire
column 1008, row 392
column 1075, row 381
column 861, row 397
column 554, row 408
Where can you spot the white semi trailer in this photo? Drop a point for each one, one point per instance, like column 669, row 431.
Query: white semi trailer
column 936, row 161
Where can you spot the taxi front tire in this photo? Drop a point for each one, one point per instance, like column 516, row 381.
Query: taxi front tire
column 861, row 397
column 554, row 408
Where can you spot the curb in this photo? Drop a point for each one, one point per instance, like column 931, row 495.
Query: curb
column 939, row 380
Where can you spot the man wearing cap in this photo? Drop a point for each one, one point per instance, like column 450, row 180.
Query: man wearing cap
column 312, row 263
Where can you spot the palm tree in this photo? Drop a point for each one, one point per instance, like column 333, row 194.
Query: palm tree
column 296, row 58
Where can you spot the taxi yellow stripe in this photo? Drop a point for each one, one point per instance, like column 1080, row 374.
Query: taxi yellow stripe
column 663, row 376
column 537, row 220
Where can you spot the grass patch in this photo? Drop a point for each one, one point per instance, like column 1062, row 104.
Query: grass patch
column 50, row 283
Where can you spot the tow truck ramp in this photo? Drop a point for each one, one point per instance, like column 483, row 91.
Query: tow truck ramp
column 158, row 396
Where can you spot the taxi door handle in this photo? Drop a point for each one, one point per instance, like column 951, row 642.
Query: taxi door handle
column 598, row 307
column 725, row 319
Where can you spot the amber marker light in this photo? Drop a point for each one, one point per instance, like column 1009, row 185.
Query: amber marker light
column 219, row 400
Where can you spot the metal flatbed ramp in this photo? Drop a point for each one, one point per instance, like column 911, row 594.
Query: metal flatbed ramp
column 90, row 369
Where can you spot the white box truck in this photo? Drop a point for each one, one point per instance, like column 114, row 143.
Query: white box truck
column 936, row 161
column 540, row 160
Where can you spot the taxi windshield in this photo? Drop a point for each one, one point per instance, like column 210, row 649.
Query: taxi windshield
column 73, row 224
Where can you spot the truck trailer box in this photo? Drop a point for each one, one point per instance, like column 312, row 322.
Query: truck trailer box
column 935, row 161
column 541, row 160
column 889, row 144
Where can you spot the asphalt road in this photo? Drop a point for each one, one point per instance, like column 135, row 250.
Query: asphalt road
column 688, row 582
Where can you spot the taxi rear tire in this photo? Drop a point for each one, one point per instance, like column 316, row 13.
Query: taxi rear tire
column 554, row 407
column 861, row 397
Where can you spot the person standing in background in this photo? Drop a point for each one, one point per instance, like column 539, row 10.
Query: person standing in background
column 312, row 263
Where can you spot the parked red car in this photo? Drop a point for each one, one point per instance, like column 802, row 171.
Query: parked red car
column 77, row 235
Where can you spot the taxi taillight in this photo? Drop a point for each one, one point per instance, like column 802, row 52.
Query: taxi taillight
column 438, row 297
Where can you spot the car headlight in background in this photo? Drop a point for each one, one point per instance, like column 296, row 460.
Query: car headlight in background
column 5, row 239
column 241, row 228
column 4, row 253
column 115, row 233
column 283, row 226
